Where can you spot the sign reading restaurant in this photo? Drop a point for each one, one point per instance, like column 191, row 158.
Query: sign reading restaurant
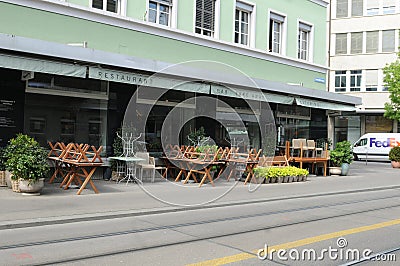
column 118, row 76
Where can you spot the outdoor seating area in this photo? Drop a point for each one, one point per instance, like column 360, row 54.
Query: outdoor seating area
column 75, row 163
column 204, row 163
column 304, row 151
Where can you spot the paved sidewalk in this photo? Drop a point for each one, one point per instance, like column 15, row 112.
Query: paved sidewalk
column 56, row 205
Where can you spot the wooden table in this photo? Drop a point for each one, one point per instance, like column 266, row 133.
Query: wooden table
column 79, row 160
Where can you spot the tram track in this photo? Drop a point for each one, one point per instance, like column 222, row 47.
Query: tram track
column 129, row 250
column 176, row 227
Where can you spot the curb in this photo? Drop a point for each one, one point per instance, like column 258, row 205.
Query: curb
column 15, row 224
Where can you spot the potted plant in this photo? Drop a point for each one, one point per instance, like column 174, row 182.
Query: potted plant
column 341, row 157
column 394, row 156
column 27, row 162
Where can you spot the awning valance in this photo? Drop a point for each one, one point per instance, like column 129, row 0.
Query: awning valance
column 42, row 66
column 250, row 94
column 324, row 105
column 156, row 81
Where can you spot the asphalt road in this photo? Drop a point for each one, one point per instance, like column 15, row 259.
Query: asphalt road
column 230, row 234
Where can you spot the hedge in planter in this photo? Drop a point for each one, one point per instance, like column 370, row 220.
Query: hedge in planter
column 26, row 159
column 279, row 174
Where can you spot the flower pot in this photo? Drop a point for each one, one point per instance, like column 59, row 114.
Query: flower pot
column 335, row 170
column 295, row 178
column 3, row 182
column 345, row 168
column 285, row 179
column 8, row 179
column 279, row 179
column 27, row 186
column 15, row 185
column 395, row 164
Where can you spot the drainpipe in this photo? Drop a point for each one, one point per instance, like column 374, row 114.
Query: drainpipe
column 330, row 119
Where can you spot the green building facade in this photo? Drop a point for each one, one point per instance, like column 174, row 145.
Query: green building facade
column 53, row 51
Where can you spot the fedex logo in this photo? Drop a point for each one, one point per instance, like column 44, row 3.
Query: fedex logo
column 389, row 142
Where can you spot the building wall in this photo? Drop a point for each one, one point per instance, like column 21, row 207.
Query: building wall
column 55, row 22
column 369, row 60
column 364, row 60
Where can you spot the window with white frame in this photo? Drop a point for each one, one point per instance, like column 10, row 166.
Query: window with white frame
column 372, row 7
column 355, row 80
column 342, row 8
column 303, row 41
column 107, row 5
column 357, row 8
column 160, row 12
column 356, row 42
column 341, row 43
column 340, row 81
column 242, row 23
column 205, row 17
column 388, row 41
column 371, row 79
column 276, row 23
column 389, row 6
column 372, row 41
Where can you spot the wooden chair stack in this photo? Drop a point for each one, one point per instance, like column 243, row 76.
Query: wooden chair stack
column 74, row 162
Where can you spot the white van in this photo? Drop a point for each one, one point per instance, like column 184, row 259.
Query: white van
column 375, row 146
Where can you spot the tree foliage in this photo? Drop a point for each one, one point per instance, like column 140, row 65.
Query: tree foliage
column 392, row 81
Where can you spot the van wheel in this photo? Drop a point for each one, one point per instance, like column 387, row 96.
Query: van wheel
column 355, row 157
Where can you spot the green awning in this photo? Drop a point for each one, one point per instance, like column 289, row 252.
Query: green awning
column 42, row 66
column 250, row 94
column 156, row 81
column 324, row 105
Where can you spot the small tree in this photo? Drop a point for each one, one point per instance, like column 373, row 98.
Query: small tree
column 392, row 81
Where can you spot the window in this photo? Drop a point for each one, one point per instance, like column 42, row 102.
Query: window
column 340, row 81
column 356, row 42
column 342, row 8
column 388, row 37
column 361, row 142
column 355, row 80
column 341, row 43
column 372, row 41
column 357, row 8
column 107, row 5
column 242, row 23
column 303, row 41
column 389, row 6
column 159, row 11
column 205, row 17
column 275, row 33
column 371, row 80
column 372, row 7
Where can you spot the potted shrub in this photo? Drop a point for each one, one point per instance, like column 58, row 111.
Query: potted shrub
column 341, row 157
column 394, row 156
column 27, row 162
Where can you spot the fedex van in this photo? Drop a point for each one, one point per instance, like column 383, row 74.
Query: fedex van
column 375, row 146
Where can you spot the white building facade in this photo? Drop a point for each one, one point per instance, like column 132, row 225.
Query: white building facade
column 364, row 37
